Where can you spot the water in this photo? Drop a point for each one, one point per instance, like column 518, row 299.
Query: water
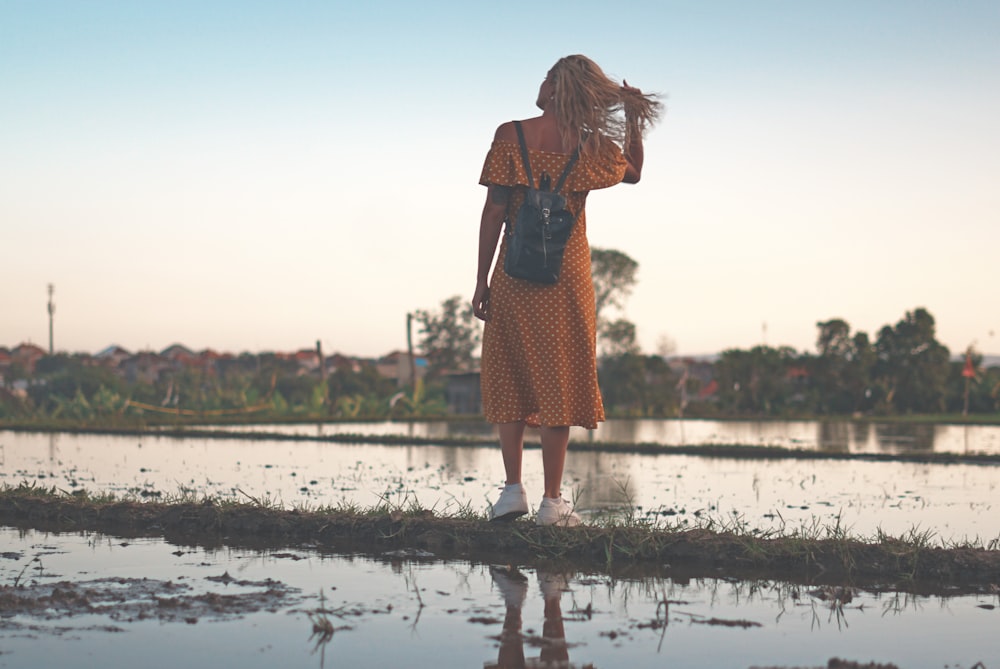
column 424, row 613
column 952, row 502
column 164, row 604
column 827, row 436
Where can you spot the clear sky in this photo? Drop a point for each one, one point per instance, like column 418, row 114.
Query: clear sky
column 251, row 176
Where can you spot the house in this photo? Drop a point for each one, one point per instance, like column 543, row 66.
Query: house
column 27, row 355
column 145, row 367
column 396, row 366
column 339, row 362
column 307, row 361
column 697, row 373
column 181, row 355
column 462, row 392
column 113, row 356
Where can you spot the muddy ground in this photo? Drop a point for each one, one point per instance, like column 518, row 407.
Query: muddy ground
column 616, row 550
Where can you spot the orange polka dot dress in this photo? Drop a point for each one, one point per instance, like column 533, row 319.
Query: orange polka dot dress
column 539, row 361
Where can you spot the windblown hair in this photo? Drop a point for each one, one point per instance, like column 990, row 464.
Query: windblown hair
column 590, row 106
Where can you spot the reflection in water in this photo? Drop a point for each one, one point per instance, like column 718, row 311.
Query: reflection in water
column 833, row 437
column 374, row 613
column 905, row 437
column 469, row 429
column 828, row 435
column 620, row 431
column 604, row 481
column 553, row 649
column 861, row 432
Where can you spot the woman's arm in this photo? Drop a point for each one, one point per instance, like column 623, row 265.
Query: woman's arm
column 490, row 225
column 633, row 139
column 633, row 154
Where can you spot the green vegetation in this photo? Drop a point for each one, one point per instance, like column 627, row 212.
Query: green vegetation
column 903, row 372
column 70, row 391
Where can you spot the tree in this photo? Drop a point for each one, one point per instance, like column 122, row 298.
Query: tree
column 842, row 372
column 618, row 338
column 912, row 366
column 755, row 381
column 61, row 378
column 614, row 277
column 638, row 385
column 613, row 274
column 449, row 337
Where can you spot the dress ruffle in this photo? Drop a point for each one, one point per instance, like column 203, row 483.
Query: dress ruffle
column 503, row 167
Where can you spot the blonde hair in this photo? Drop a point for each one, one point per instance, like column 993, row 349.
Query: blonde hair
column 591, row 107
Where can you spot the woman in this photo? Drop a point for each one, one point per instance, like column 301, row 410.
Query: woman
column 539, row 363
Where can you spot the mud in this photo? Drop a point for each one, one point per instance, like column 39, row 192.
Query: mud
column 129, row 600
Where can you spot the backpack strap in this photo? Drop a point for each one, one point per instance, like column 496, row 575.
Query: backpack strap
column 569, row 168
column 527, row 163
column 524, row 153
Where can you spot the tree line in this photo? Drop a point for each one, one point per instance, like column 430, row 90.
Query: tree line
column 903, row 370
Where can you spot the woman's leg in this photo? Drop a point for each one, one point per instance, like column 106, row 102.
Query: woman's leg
column 555, row 442
column 512, row 449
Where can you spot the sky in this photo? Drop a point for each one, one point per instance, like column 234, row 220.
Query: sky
column 260, row 176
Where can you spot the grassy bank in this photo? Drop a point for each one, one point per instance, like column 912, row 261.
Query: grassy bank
column 622, row 548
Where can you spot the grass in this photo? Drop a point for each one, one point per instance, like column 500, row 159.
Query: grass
column 627, row 544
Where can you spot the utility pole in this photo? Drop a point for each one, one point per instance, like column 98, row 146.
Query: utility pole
column 52, row 311
column 322, row 372
column 409, row 351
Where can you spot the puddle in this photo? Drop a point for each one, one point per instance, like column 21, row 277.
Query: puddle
column 953, row 502
column 153, row 604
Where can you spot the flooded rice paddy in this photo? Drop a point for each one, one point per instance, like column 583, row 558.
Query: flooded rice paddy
column 91, row 600
column 955, row 502
column 825, row 436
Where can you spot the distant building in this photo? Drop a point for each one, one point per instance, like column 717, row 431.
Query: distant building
column 113, row 356
column 462, row 392
column 396, row 366
column 27, row 355
column 145, row 367
column 179, row 354
column 342, row 363
column 308, row 361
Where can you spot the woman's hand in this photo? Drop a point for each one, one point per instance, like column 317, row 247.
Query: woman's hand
column 629, row 93
column 630, row 89
column 481, row 301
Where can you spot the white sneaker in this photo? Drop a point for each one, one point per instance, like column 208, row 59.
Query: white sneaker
column 556, row 512
column 513, row 502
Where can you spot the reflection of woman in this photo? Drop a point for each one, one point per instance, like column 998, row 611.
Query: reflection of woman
column 513, row 585
column 539, row 345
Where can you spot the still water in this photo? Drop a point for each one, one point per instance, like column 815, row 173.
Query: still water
column 827, row 436
column 110, row 603
column 952, row 502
